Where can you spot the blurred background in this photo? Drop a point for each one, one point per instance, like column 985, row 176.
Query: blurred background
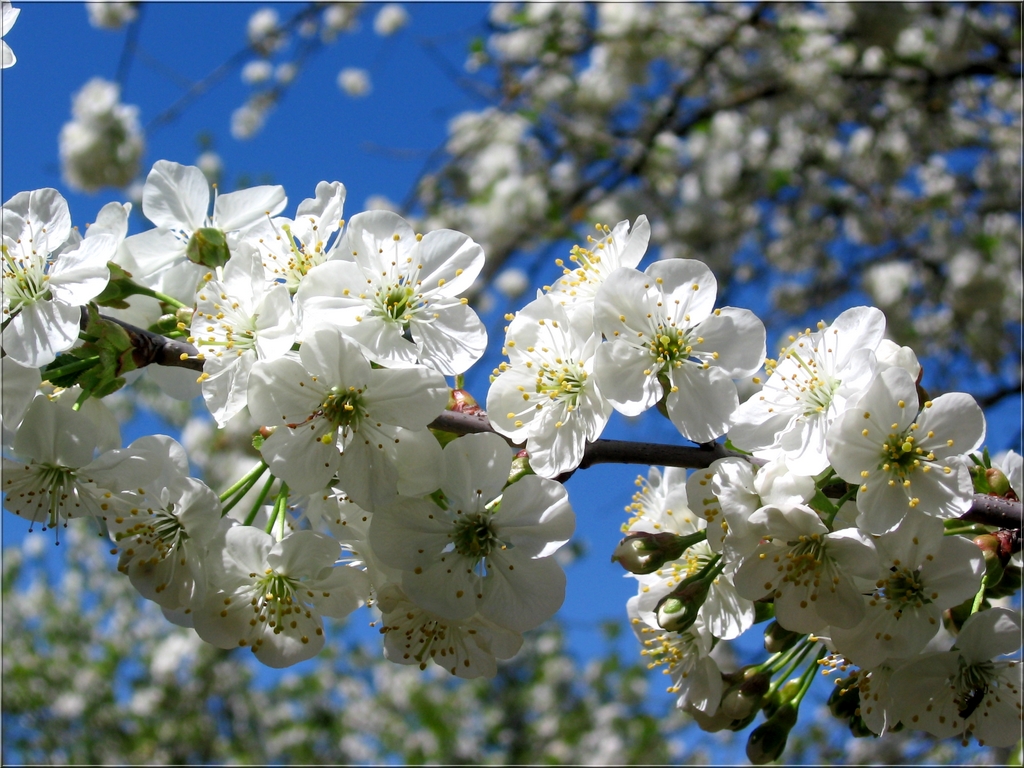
column 816, row 157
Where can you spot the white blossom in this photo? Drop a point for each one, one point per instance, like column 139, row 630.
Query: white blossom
column 482, row 548
column 667, row 340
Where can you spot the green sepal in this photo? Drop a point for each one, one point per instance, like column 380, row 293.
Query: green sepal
column 443, row 437
column 208, row 246
column 118, row 288
column 730, row 446
column 258, row 440
column 110, row 350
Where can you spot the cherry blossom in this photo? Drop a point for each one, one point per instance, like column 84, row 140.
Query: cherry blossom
column 903, row 455
column 667, row 340
column 398, row 283
column 547, row 394
column 480, row 548
column 270, row 595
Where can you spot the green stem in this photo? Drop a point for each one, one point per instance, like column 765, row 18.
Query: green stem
column 240, row 493
column 839, row 504
column 808, row 677
column 251, row 517
column 256, row 471
column 64, row 370
column 163, row 297
column 978, row 599
column 797, row 654
column 973, row 530
column 280, row 505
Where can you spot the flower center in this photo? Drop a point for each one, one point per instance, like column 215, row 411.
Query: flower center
column 275, row 603
column 905, row 588
column 564, row 383
column 397, row 303
column 161, row 531
column 806, row 556
column 671, row 345
column 344, row 407
column 972, row 681
column 900, row 455
column 24, row 280
column 474, row 537
column 815, row 390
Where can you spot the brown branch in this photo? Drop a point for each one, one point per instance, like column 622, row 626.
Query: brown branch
column 155, row 348
column 992, row 510
column 605, row 451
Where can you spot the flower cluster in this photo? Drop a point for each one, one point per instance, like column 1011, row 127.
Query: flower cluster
column 326, row 344
column 102, row 145
column 841, row 525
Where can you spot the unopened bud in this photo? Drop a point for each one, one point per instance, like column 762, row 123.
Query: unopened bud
column 741, row 700
column 643, row 552
column 998, row 483
column 677, row 611
column 165, row 324
column 520, row 468
column 778, row 639
column 768, row 741
column 208, row 247
column 184, row 315
column 991, row 547
column 460, row 401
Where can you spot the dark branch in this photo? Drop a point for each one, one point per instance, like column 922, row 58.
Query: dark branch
column 155, row 348
column 992, row 510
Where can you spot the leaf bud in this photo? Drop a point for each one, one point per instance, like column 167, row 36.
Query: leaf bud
column 767, row 742
column 460, row 401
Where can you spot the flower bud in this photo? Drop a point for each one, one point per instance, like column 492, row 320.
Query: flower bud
column 165, row 324
column 520, row 468
column 998, row 483
column 643, row 552
column 768, row 740
column 739, row 701
column 460, row 401
column 678, row 610
column 773, row 702
column 777, row 638
column 208, row 247
column 991, row 547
